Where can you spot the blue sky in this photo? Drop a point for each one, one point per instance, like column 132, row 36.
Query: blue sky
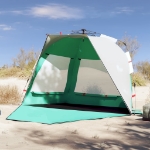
column 24, row 24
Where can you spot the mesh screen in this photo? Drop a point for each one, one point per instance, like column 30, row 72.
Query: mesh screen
column 52, row 76
column 94, row 79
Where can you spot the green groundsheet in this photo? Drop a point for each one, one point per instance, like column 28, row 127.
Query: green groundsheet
column 136, row 111
column 55, row 115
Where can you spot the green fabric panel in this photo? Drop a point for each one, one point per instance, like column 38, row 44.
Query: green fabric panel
column 137, row 111
column 72, row 75
column 70, row 47
column 52, row 115
column 95, row 95
column 72, row 98
column 86, row 50
column 33, row 98
column 55, row 38
column 66, row 47
column 95, row 100
column 47, row 93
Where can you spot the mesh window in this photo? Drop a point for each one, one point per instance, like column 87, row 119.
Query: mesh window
column 52, row 76
column 93, row 78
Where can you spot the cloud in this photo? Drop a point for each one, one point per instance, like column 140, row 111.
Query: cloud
column 122, row 10
column 112, row 12
column 51, row 11
column 56, row 11
column 18, row 22
column 92, row 12
column 18, row 12
column 5, row 27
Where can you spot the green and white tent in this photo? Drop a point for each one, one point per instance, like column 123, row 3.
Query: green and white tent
column 77, row 70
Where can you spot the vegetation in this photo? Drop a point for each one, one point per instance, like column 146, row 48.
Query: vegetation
column 144, row 68
column 138, row 79
column 9, row 95
column 129, row 44
column 21, row 66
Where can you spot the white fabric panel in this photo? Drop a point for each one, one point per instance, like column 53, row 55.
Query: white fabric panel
column 130, row 62
column 93, row 78
column 95, row 64
column 52, row 76
column 116, row 64
column 131, row 67
column 108, row 37
column 128, row 56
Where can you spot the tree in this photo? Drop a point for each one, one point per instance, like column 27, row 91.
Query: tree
column 14, row 62
column 5, row 66
column 21, row 59
column 26, row 59
column 129, row 44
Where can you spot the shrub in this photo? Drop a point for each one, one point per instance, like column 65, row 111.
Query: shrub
column 26, row 59
column 9, row 95
column 9, row 72
column 22, row 65
column 144, row 68
column 138, row 79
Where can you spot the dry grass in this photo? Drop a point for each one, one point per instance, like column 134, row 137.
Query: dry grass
column 22, row 65
column 9, row 95
column 15, row 72
column 138, row 79
column 144, row 68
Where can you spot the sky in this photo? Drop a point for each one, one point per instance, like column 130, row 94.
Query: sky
column 24, row 24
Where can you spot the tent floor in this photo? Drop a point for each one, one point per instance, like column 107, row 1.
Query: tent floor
column 51, row 114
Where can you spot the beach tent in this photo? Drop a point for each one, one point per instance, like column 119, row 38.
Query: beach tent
column 77, row 70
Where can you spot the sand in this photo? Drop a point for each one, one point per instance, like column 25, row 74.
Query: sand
column 20, row 83
column 129, row 132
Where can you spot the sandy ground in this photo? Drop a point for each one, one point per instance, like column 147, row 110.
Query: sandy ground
column 129, row 132
column 14, row 82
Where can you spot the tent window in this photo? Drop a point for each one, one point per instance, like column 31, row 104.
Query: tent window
column 93, row 78
column 52, row 76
